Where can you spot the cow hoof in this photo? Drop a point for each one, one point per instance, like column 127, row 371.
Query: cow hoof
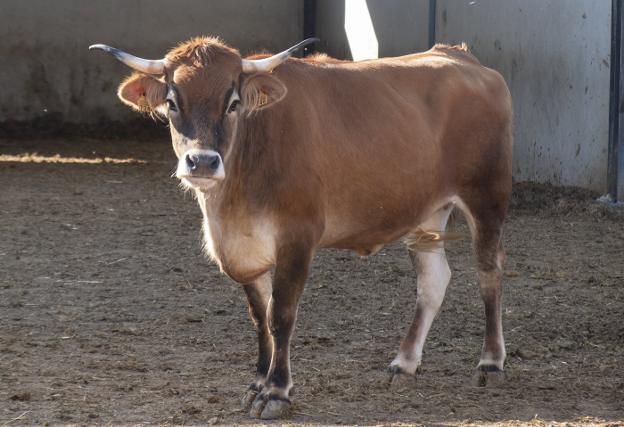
column 257, row 406
column 399, row 379
column 249, row 397
column 275, row 409
column 489, row 376
column 269, row 407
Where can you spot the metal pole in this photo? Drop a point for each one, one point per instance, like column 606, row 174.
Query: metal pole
column 615, row 166
column 309, row 23
column 432, row 22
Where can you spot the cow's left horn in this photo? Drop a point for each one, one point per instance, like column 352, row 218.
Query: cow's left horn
column 267, row 64
column 143, row 65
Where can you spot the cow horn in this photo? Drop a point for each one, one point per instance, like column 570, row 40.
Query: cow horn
column 143, row 65
column 268, row 64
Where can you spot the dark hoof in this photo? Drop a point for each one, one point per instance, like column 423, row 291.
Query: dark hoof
column 489, row 376
column 399, row 379
column 269, row 407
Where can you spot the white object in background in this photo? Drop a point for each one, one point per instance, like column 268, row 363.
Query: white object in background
column 360, row 31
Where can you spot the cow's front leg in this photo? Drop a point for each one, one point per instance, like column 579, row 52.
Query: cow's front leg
column 291, row 271
column 258, row 294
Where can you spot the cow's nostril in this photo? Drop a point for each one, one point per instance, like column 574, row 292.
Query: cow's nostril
column 214, row 163
column 191, row 162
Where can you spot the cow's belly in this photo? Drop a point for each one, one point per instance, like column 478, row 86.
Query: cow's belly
column 366, row 231
column 243, row 253
column 365, row 241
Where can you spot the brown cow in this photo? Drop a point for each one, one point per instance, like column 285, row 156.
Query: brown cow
column 287, row 156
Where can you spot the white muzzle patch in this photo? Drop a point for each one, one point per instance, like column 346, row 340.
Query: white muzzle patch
column 200, row 169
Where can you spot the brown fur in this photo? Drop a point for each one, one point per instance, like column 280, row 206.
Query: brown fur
column 349, row 155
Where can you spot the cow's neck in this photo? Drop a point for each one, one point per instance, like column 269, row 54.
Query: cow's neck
column 252, row 164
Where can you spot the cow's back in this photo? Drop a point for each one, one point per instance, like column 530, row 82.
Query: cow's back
column 389, row 139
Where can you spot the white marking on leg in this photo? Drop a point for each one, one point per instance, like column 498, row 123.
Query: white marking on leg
column 433, row 277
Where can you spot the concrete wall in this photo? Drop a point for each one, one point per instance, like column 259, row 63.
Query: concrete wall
column 47, row 71
column 555, row 57
column 401, row 26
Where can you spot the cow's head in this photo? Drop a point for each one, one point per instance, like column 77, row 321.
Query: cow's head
column 204, row 89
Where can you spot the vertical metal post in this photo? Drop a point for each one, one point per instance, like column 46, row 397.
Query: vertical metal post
column 309, row 23
column 432, row 22
column 615, row 167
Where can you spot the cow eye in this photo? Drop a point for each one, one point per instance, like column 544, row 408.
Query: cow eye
column 233, row 106
column 171, row 104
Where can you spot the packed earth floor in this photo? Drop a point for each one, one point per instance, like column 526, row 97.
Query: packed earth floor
column 110, row 314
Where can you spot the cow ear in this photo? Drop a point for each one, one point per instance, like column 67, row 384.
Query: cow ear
column 261, row 91
column 142, row 92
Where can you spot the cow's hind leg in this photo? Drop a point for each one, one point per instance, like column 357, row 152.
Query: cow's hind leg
column 429, row 260
column 486, row 223
column 258, row 294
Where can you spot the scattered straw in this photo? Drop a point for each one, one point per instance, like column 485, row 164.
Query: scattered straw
column 57, row 158
column 19, row 417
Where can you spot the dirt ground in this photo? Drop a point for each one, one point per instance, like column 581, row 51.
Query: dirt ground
column 110, row 315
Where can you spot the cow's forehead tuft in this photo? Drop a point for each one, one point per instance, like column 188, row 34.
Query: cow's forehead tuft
column 201, row 51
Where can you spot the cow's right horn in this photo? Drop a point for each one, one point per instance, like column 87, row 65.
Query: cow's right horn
column 143, row 65
column 267, row 64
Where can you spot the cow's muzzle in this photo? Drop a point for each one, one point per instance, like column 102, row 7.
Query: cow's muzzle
column 200, row 168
